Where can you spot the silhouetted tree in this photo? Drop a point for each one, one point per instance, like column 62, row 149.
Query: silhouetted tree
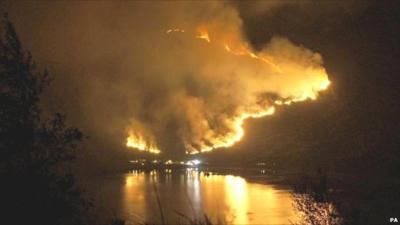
column 36, row 184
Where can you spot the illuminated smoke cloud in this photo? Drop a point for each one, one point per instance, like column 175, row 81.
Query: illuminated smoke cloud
column 201, row 80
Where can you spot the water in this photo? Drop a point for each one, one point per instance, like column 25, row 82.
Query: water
column 233, row 199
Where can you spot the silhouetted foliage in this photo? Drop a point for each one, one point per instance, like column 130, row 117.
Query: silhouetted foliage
column 36, row 184
column 316, row 213
column 312, row 200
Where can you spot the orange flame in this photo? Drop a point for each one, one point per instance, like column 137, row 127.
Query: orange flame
column 320, row 84
column 203, row 34
column 175, row 30
column 139, row 142
column 247, row 52
column 237, row 133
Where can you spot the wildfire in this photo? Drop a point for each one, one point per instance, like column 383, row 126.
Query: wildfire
column 237, row 133
column 175, row 30
column 308, row 91
column 203, row 34
column 245, row 51
column 138, row 142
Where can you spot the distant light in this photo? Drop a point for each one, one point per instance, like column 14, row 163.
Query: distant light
column 193, row 162
column 196, row 162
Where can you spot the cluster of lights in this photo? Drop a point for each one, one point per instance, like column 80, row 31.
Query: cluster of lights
column 194, row 162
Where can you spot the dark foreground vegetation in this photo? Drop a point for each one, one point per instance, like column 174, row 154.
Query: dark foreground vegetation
column 329, row 200
column 37, row 186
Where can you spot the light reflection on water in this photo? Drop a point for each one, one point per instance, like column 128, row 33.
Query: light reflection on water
column 193, row 193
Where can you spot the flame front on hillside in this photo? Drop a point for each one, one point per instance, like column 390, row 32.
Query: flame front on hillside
column 214, row 81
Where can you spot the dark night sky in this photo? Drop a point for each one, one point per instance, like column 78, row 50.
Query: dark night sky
column 85, row 44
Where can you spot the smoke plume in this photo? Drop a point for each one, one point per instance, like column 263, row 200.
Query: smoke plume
column 167, row 77
column 207, row 81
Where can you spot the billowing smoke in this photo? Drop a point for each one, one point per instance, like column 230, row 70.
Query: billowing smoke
column 208, row 81
column 167, row 77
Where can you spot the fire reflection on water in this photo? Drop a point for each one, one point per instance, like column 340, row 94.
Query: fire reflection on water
column 193, row 193
column 236, row 197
